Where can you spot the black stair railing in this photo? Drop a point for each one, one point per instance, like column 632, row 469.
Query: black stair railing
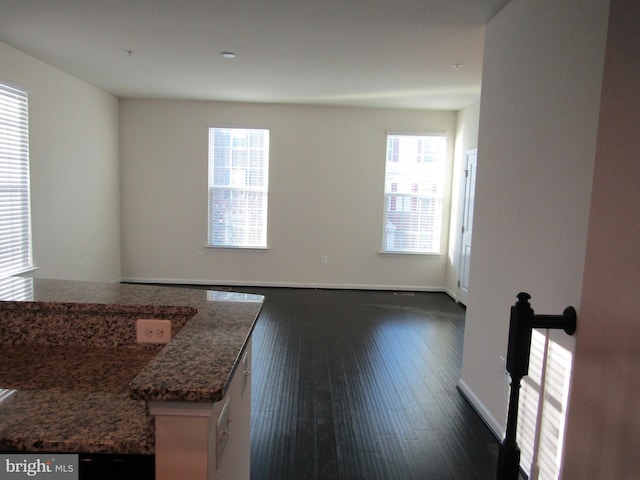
column 521, row 323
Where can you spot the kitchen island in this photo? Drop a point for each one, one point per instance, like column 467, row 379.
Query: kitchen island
column 73, row 379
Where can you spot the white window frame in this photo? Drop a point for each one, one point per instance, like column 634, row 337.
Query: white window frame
column 414, row 182
column 15, row 202
column 238, row 188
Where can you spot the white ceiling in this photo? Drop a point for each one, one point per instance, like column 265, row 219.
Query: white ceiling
column 375, row 53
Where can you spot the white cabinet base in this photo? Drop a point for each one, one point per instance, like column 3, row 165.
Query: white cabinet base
column 189, row 436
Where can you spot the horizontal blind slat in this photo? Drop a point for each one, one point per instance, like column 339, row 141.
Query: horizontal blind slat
column 15, row 228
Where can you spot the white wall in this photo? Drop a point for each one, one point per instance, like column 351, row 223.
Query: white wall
column 467, row 121
column 326, row 195
column 542, row 74
column 604, row 421
column 74, row 170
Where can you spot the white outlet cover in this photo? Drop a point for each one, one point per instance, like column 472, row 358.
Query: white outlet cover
column 151, row 330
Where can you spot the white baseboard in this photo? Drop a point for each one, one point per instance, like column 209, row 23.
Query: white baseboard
column 343, row 286
column 496, row 427
column 453, row 295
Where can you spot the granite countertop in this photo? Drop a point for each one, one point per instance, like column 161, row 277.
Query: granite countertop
column 85, row 410
column 60, row 399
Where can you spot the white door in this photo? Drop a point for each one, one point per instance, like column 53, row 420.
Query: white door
column 467, row 224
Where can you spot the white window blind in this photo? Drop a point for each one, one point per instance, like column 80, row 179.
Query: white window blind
column 16, row 289
column 541, row 421
column 413, row 190
column 238, row 187
column 15, row 223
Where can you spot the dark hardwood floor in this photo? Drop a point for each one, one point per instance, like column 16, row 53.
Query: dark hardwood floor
column 362, row 385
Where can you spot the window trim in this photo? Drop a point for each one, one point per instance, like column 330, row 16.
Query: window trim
column 264, row 190
column 440, row 197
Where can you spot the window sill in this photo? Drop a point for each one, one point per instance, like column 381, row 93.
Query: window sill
column 423, row 254
column 23, row 273
column 233, row 247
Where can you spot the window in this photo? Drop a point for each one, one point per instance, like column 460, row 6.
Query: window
column 542, row 410
column 238, row 187
column 16, row 289
column 413, row 189
column 15, row 216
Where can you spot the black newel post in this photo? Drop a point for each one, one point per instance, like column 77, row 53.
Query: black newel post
column 521, row 323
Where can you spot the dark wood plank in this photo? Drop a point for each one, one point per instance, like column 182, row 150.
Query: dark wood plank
column 362, row 385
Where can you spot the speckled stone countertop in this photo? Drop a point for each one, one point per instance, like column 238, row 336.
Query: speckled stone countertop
column 93, row 398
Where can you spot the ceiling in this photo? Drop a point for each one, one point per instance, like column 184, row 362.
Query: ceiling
column 371, row 53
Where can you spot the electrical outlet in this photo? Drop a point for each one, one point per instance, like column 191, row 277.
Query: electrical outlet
column 151, row 330
column 324, row 259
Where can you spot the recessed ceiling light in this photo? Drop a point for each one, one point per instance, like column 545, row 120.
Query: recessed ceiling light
column 228, row 54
